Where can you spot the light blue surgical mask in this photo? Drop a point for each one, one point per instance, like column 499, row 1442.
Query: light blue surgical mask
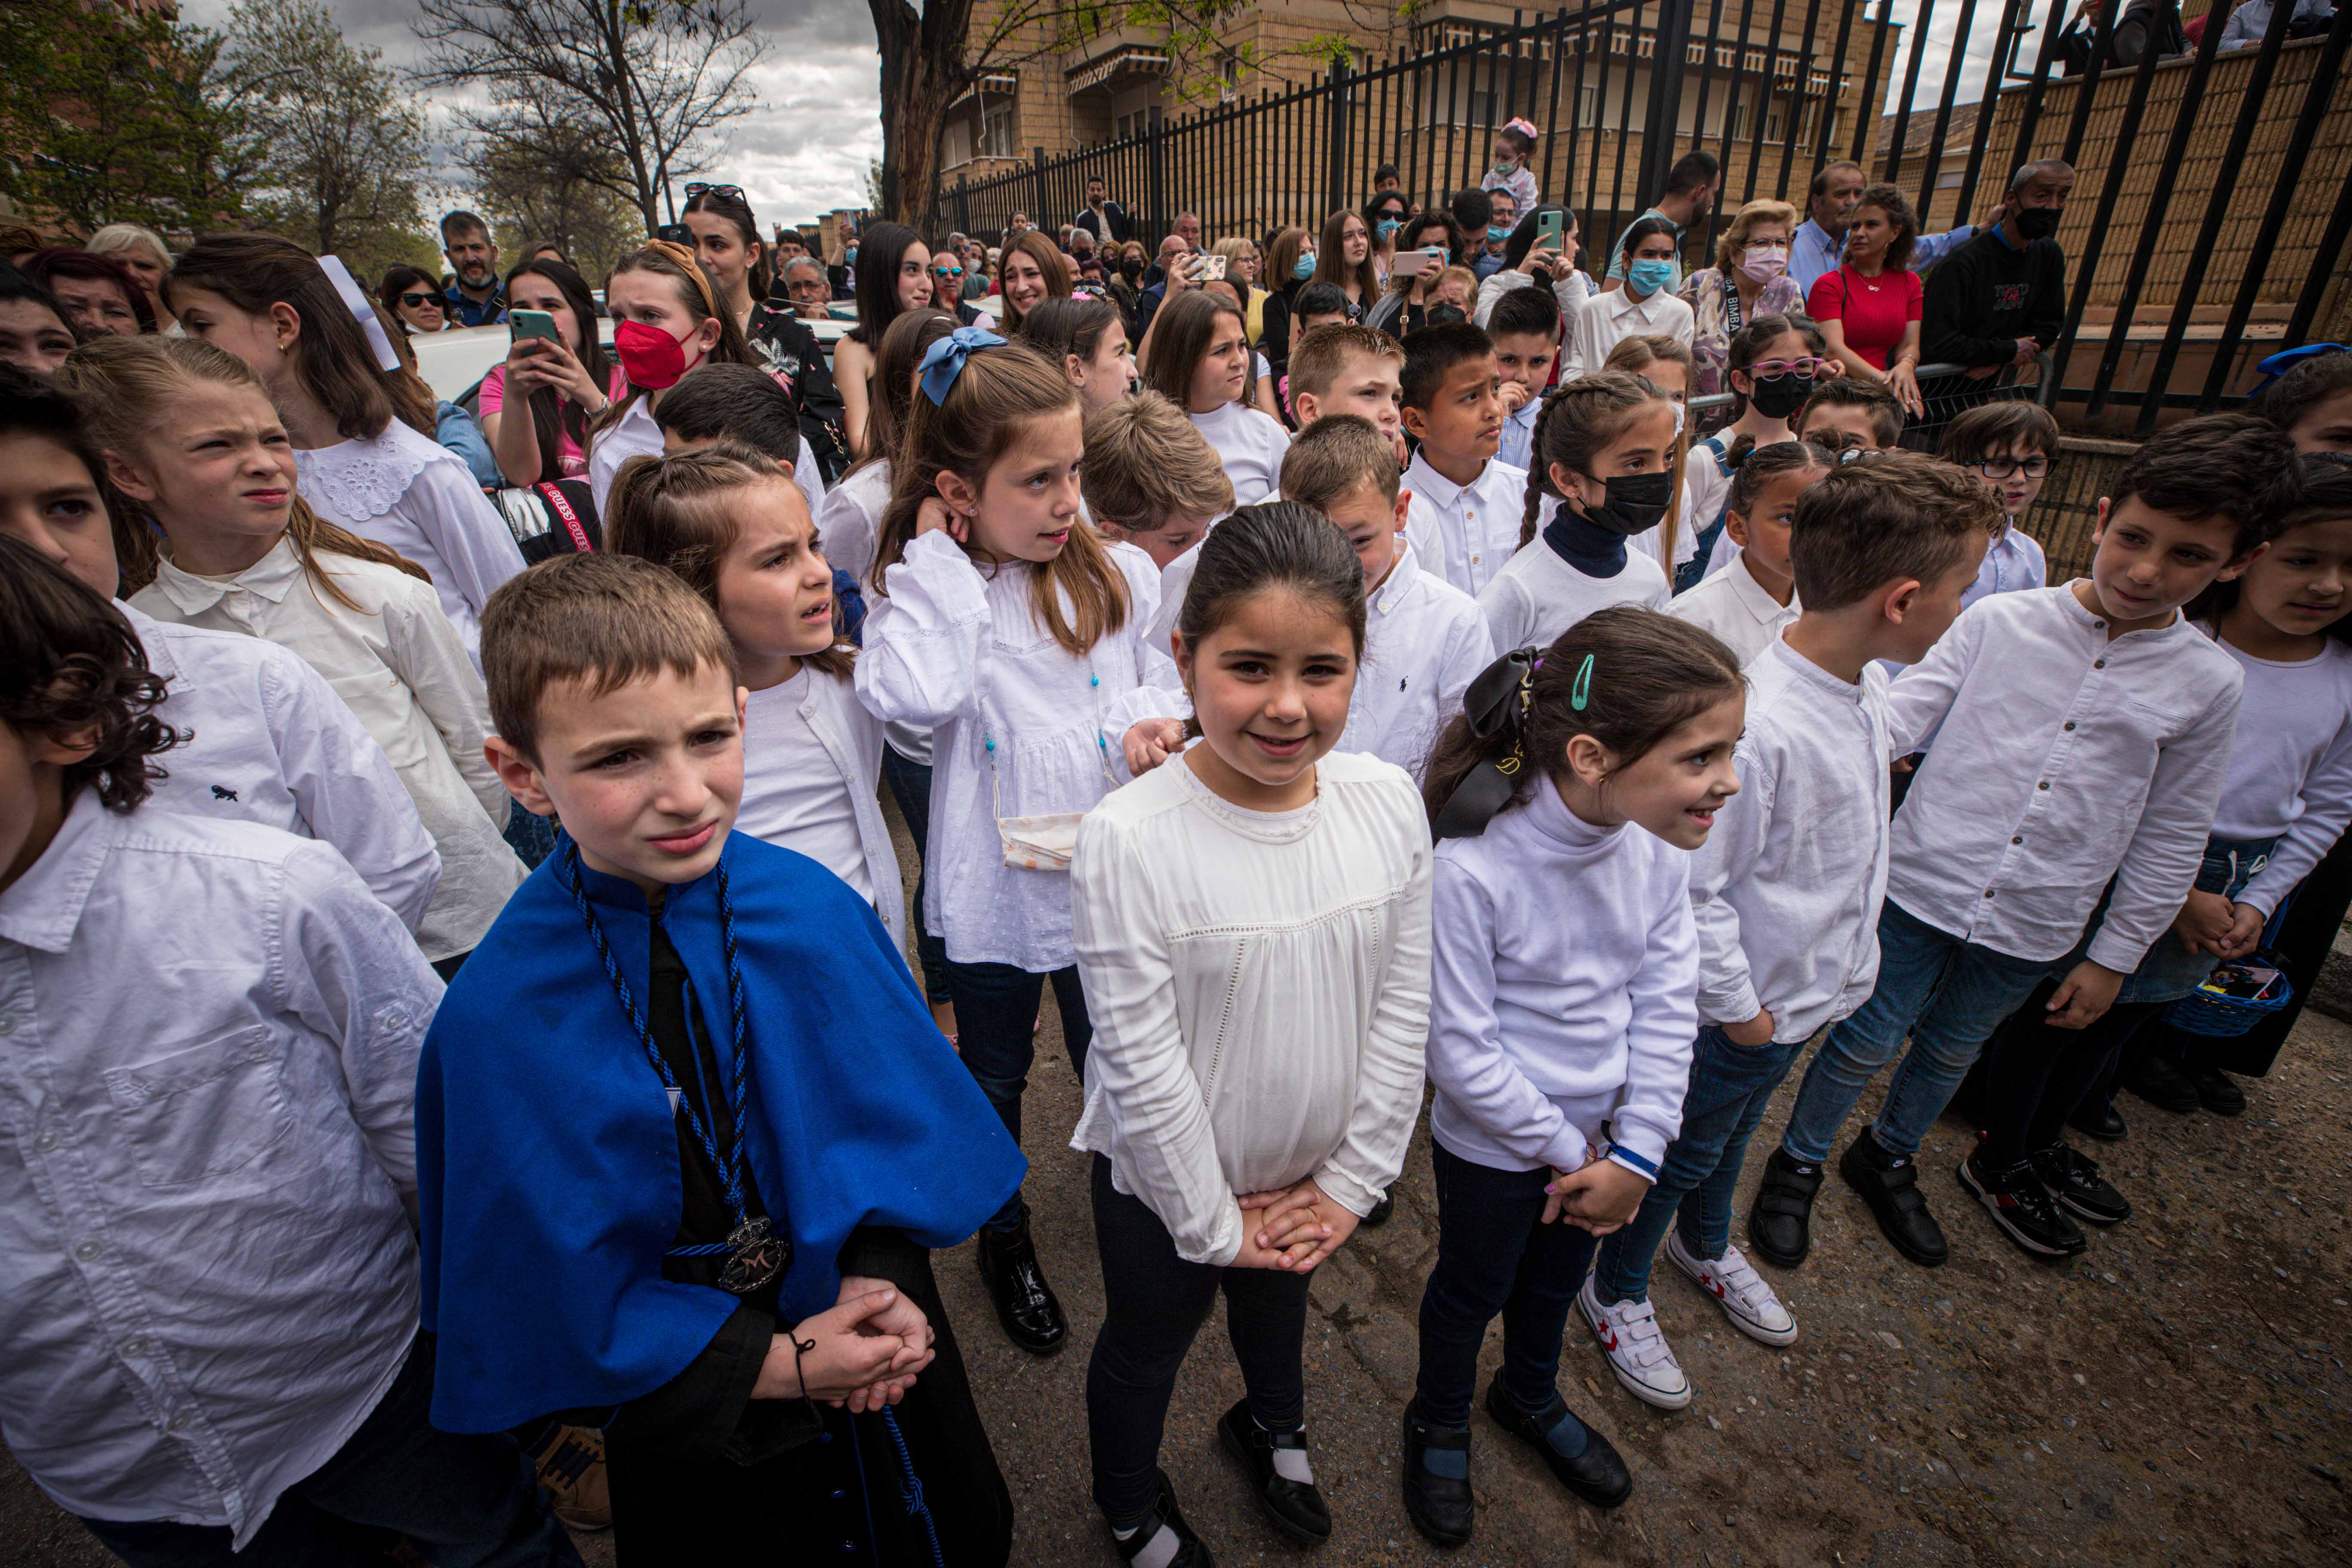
column 1304, row 267
column 1386, row 226
column 1650, row 274
column 1499, row 232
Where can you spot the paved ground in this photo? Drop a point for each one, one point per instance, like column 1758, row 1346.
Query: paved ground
column 2177, row 1396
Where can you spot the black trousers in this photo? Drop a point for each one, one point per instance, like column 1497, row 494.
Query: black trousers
column 1153, row 1303
column 2033, row 1076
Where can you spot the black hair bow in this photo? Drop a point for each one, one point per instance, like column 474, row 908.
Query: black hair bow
column 1496, row 702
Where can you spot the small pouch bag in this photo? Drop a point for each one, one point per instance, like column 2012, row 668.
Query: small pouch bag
column 1047, row 841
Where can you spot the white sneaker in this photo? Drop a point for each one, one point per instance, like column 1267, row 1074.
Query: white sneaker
column 1637, row 1351
column 1742, row 1293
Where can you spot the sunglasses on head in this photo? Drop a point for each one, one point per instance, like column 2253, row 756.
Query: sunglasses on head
column 413, row 301
column 697, row 188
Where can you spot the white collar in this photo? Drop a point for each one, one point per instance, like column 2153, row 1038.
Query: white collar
column 272, row 577
column 1399, row 582
column 1751, row 595
column 1442, row 492
column 45, row 905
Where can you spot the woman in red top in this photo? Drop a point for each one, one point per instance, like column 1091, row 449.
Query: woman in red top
column 1868, row 309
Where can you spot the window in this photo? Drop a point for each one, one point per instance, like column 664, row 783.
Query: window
column 1588, row 104
column 1482, row 109
column 956, row 144
column 996, row 138
column 1140, row 123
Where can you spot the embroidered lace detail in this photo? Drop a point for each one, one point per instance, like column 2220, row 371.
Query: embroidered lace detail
column 355, row 480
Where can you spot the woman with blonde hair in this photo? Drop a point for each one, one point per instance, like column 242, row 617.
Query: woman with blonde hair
column 1750, row 279
column 143, row 252
column 1289, row 264
column 1242, row 272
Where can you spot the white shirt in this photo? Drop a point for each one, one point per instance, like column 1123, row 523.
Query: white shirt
column 1787, row 888
column 206, row 1163
column 414, row 494
column 637, row 434
column 1466, row 533
column 398, row 662
column 1571, row 290
column 1563, row 959
column 2291, row 768
column 2013, row 564
column 1259, row 984
column 2062, row 758
column 265, row 739
column 811, row 756
column 849, row 523
column 1018, row 733
column 1250, row 444
column 1424, row 642
column 1604, row 320
column 1519, row 437
column 1734, row 605
column 1537, row 594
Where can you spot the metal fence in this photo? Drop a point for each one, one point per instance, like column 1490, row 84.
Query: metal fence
column 2176, row 156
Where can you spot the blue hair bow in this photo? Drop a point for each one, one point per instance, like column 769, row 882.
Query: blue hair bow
column 2278, row 365
column 943, row 361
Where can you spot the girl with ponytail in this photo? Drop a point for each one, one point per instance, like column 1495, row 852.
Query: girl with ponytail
column 193, row 442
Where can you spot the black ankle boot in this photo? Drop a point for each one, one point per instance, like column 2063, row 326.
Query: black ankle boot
column 1781, row 1221
column 1437, row 1479
column 1025, row 1302
column 1889, row 1183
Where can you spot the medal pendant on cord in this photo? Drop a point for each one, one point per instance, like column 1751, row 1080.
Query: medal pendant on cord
column 758, row 1255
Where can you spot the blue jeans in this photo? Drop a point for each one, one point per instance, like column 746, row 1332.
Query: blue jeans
column 1730, row 1086
column 464, row 1502
column 1494, row 1255
column 910, row 786
column 1948, row 995
column 996, row 1031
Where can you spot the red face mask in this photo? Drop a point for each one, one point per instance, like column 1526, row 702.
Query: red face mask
column 650, row 357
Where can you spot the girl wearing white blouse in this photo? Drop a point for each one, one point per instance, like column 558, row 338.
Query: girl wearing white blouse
column 193, row 442
column 998, row 618
column 268, row 302
column 1564, row 977
column 1647, row 303
column 1197, row 356
column 1253, row 923
column 729, row 519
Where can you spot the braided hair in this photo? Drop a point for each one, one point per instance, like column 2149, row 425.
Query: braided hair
column 1579, row 419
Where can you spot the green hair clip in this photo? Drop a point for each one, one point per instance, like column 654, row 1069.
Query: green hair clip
column 1583, row 690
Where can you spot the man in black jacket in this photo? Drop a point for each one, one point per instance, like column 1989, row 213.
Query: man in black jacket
column 2001, row 299
column 1101, row 217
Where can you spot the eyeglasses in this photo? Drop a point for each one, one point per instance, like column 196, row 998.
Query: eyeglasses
column 2003, row 468
column 1774, row 369
column 810, row 286
column 728, row 193
column 411, row 301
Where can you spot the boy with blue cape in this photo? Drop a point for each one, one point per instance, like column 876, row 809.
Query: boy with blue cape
column 686, row 1131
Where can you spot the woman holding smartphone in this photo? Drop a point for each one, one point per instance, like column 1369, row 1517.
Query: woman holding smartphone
column 556, row 376
column 1423, row 245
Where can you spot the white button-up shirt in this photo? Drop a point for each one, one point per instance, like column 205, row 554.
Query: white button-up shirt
column 208, row 1042
column 2062, row 757
column 1466, row 533
column 1734, row 605
column 1787, row 888
column 1518, row 442
column 1607, row 319
column 265, row 739
column 1424, row 642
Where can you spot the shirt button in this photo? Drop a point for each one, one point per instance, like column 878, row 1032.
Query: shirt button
column 1987, row 892
column 134, row 1348
column 45, row 1141
column 2070, row 723
column 2043, row 785
column 87, row 1250
column 2017, row 840
column 7, row 1025
column 178, row 1421
column 2098, row 664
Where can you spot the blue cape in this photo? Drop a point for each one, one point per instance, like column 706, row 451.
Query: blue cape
column 547, row 1153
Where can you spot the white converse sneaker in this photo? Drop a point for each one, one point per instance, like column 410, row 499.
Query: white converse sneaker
column 1742, row 1293
column 1638, row 1353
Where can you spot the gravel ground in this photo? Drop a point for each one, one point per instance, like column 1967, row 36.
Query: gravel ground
column 2178, row 1394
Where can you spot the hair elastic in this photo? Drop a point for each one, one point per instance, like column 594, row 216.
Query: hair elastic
column 1583, row 689
column 944, row 359
column 355, row 300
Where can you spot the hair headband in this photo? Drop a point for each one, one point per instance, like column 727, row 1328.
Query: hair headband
column 693, row 269
column 356, row 302
column 1522, row 127
column 944, row 359
column 1496, row 702
column 2278, row 365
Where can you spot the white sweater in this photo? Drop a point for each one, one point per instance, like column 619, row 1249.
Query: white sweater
column 1018, row 733
column 1259, row 988
column 1562, row 964
column 1537, row 594
column 1251, row 443
column 2291, row 769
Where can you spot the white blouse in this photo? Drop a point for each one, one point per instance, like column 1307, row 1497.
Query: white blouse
column 399, row 665
column 1018, row 731
column 1607, row 319
column 1251, row 443
column 410, row 493
column 811, row 757
column 1259, row 987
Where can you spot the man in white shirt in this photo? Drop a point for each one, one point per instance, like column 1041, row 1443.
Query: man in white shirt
column 1787, row 913
column 204, row 1218
column 2082, row 734
column 1464, row 521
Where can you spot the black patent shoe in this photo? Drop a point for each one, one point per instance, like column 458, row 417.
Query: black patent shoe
column 1025, row 1304
column 1437, row 1480
column 2217, row 1092
column 1191, row 1552
column 1781, row 1221
column 1597, row 1474
column 2075, row 1181
column 1889, row 1183
column 2102, row 1121
column 2163, row 1084
column 1293, row 1507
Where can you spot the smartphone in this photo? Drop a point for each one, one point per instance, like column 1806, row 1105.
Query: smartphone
column 1413, row 263
column 1551, row 229
column 677, row 233
column 532, row 324
column 1213, row 267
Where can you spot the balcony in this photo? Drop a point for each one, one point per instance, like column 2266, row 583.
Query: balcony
column 1115, row 60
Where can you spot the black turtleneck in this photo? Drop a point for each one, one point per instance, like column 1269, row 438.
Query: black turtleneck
column 1595, row 551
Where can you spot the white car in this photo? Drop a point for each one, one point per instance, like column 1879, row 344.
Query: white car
column 453, row 363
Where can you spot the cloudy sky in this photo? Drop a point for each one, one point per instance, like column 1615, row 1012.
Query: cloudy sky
column 801, row 151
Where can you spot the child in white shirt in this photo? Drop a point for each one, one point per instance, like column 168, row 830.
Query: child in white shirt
column 363, row 465
column 1252, row 921
column 194, row 444
column 999, row 618
column 1152, row 481
column 209, row 1244
column 1605, row 452
column 728, row 520
column 1749, row 601
column 1525, row 326
column 1565, row 800
column 2083, row 734
column 1786, row 890
column 1197, row 356
column 1465, row 520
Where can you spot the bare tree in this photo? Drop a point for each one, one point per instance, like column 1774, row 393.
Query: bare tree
column 656, row 76
column 550, row 178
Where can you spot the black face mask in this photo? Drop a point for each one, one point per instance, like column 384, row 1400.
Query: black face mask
column 1130, row 268
column 1778, row 399
column 2037, row 222
column 1636, row 502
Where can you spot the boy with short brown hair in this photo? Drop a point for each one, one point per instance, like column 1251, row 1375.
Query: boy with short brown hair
column 1344, row 369
column 1847, row 415
column 1151, row 478
column 2012, row 447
